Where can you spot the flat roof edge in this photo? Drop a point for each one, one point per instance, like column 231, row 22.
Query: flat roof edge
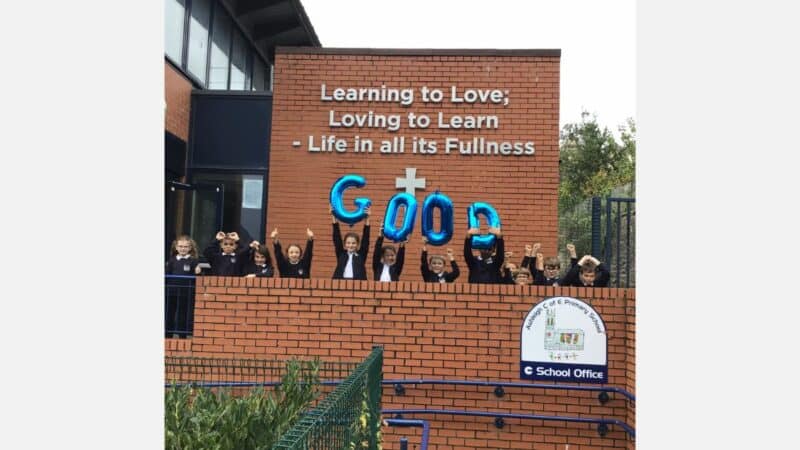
column 418, row 51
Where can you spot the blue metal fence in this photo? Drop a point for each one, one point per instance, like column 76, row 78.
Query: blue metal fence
column 614, row 238
column 178, row 305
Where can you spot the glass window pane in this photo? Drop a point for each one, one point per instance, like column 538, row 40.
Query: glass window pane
column 271, row 75
column 173, row 29
column 198, row 38
column 248, row 71
column 220, row 49
column 258, row 75
column 242, row 209
column 238, row 62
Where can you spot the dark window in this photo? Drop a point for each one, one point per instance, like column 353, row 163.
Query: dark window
column 198, row 38
column 243, row 206
column 258, row 75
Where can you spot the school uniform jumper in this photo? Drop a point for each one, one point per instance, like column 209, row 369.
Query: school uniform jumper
column 302, row 269
column 444, row 277
column 228, row 265
column 484, row 270
column 359, row 258
column 377, row 265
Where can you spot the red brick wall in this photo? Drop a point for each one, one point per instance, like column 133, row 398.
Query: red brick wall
column 523, row 189
column 456, row 331
column 177, row 93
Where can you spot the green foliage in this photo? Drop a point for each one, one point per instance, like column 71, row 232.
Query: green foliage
column 200, row 419
column 593, row 164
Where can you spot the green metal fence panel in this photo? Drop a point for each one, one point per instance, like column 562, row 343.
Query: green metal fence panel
column 345, row 418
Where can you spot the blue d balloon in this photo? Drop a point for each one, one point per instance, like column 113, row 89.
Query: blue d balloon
column 445, row 205
column 337, row 200
column 389, row 230
column 483, row 241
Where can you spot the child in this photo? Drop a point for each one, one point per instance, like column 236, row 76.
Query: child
column 387, row 261
column 434, row 271
column 509, row 270
column 524, row 277
column 260, row 263
column 486, row 267
column 351, row 256
column 179, row 297
column 296, row 263
column 546, row 270
column 184, row 257
column 225, row 257
column 588, row 272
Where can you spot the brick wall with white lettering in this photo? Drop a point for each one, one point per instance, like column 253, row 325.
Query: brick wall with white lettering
column 431, row 331
column 522, row 188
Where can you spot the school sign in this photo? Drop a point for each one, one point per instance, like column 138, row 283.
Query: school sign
column 564, row 339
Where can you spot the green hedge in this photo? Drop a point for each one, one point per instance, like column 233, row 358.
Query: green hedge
column 202, row 419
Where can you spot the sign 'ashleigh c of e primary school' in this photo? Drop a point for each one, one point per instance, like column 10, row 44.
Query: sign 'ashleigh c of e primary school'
column 564, row 339
column 394, row 124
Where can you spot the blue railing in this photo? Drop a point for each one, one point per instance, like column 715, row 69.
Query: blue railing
column 178, row 305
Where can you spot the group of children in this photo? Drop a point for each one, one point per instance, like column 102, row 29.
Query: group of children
column 228, row 256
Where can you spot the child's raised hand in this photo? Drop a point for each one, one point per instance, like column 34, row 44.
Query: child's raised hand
column 309, row 233
column 539, row 256
column 255, row 245
column 473, row 231
column 495, row 231
column 197, row 270
column 274, row 234
column 234, row 236
column 450, row 253
column 536, row 247
column 220, row 235
column 584, row 259
column 508, row 254
column 571, row 250
column 528, row 250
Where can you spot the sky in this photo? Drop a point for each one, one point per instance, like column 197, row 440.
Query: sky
column 597, row 40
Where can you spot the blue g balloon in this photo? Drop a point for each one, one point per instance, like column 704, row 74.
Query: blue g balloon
column 337, row 200
column 483, row 241
column 389, row 230
column 445, row 205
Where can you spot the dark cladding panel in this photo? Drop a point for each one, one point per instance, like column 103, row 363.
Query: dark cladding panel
column 230, row 130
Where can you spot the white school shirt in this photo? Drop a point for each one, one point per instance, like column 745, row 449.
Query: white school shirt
column 385, row 276
column 348, row 269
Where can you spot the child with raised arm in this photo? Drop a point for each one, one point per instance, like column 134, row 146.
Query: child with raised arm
column 296, row 263
column 486, row 267
column 433, row 269
column 545, row 270
column 227, row 256
column 387, row 261
column 184, row 257
column 351, row 256
column 588, row 272
column 260, row 263
column 524, row 277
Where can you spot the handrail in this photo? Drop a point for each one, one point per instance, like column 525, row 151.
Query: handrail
column 181, row 276
column 571, row 387
column 413, row 423
column 444, row 382
column 454, row 412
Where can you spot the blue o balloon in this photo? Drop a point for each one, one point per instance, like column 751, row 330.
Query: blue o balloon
column 389, row 230
column 445, row 205
column 337, row 199
column 483, row 241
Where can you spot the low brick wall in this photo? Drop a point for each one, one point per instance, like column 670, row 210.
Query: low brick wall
column 428, row 330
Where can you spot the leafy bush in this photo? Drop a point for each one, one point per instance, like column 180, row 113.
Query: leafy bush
column 201, row 419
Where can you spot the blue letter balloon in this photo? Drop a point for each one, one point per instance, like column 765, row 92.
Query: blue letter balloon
column 483, row 241
column 337, row 201
column 445, row 205
column 389, row 230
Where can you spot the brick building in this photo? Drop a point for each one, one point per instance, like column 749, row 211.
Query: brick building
column 255, row 137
